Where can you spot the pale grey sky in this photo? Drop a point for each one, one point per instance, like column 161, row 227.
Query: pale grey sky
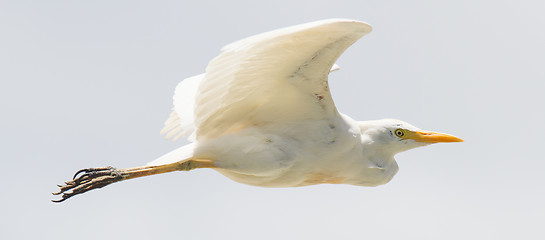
column 89, row 83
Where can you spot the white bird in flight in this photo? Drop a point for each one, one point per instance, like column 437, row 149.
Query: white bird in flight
column 262, row 114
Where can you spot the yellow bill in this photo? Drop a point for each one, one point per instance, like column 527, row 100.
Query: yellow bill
column 432, row 137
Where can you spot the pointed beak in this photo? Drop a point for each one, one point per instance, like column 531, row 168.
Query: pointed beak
column 433, row 137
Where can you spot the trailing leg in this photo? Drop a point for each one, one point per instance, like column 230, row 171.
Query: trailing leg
column 92, row 178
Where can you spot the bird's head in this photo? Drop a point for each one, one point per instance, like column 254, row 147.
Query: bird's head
column 394, row 136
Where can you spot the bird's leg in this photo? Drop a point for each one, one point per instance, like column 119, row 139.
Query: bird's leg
column 92, row 178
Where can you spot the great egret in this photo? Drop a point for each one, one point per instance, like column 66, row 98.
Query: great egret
column 262, row 114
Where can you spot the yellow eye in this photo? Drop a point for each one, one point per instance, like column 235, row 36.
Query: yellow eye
column 399, row 132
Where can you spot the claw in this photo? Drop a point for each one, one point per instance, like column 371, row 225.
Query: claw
column 80, row 171
column 90, row 170
column 92, row 179
column 81, row 179
column 58, row 201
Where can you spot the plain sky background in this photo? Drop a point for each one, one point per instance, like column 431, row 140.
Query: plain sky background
column 90, row 83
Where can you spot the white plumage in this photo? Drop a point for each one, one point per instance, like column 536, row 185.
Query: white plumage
column 262, row 114
column 242, row 85
column 181, row 121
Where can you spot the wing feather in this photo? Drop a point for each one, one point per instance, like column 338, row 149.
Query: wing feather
column 180, row 123
column 279, row 76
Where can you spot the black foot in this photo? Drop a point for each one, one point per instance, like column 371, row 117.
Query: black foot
column 90, row 178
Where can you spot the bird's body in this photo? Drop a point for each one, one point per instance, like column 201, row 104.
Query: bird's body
column 288, row 155
column 262, row 114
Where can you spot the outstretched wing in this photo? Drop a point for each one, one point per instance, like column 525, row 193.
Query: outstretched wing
column 180, row 123
column 274, row 77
